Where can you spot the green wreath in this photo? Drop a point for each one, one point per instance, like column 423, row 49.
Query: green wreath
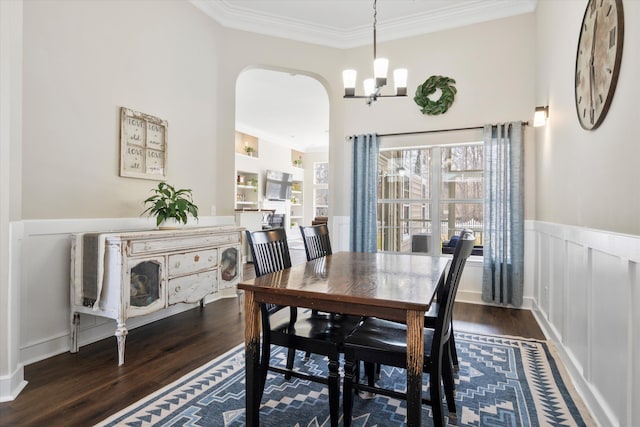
column 442, row 104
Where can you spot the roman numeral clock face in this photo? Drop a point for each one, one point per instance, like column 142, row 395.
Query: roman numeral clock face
column 598, row 60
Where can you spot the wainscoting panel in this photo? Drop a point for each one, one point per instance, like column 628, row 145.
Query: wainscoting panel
column 586, row 299
column 609, row 329
column 577, row 313
column 340, row 229
column 556, row 293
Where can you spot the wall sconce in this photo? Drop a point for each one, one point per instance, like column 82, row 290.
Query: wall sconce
column 540, row 116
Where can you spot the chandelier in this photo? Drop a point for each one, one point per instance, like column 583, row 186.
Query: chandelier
column 372, row 86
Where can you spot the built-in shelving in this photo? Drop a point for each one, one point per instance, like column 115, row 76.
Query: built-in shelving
column 246, row 144
column 246, row 190
column 297, row 158
column 296, row 208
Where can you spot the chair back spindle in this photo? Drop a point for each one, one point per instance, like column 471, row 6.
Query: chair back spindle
column 316, row 241
column 269, row 250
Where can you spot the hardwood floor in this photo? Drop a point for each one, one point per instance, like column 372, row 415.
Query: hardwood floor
column 84, row 388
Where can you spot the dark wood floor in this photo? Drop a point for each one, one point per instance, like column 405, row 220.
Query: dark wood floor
column 84, row 388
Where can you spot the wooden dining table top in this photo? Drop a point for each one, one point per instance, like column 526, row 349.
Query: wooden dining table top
column 369, row 284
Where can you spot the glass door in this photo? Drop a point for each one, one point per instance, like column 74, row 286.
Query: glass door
column 229, row 266
column 144, row 285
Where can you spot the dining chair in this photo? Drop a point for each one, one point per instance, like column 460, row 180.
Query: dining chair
column 310, row 333
column 316, row 241
column 431, row 316
column 383, row 342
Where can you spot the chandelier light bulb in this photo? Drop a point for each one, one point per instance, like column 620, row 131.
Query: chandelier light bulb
column 369, row 87
column 349, row 81
column 400, row 80
column 380, row 68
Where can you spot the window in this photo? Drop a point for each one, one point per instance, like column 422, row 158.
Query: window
column 321, row 189
column 427, row 192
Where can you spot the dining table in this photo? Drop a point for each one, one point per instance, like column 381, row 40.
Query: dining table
column 392, row 286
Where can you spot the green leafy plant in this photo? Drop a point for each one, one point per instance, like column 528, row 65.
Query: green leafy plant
column 167, row 202
column 249, row 149
column 253, row 182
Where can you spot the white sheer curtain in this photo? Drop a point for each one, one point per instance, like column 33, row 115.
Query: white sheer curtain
column 364, row 179
column 502, row 281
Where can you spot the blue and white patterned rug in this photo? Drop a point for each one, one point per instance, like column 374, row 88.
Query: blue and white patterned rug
column 503, row 381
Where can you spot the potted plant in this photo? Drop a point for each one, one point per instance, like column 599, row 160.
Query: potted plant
column 249, row 149
column 253, row 182
column 170, row 205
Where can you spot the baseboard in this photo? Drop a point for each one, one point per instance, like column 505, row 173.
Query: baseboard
column 12, row 385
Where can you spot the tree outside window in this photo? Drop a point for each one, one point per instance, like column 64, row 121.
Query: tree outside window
column 428, row 195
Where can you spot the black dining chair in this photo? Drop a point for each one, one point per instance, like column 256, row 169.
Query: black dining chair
column 384, row 342
column 431, row 316
column 310, row 333
column 316, row 241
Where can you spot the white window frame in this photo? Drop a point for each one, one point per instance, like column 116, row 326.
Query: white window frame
column 434, row 201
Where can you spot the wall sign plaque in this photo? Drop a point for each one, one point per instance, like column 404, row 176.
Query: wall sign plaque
column 143, row 145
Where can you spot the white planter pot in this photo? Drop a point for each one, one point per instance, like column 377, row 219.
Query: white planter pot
column 171, row 224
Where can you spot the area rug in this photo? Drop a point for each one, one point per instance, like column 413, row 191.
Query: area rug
column 502, row 381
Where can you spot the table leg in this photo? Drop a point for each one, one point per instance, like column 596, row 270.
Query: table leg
column 252, row 358
column 415, row 354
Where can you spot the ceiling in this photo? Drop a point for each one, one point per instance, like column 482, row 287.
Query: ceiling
column 268, row 104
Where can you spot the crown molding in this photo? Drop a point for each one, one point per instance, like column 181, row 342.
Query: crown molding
column 458, row 14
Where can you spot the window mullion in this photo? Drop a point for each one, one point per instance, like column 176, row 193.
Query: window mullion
column 436, row 181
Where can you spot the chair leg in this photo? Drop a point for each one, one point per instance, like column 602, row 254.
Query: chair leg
column 347, row 392
column 291, row 355
column 448, row 381
column 370, row 373
column 435, row 388
column 334, row 392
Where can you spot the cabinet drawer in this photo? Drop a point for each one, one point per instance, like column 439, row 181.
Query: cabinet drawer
column 192, row 288
column 181, row 242
column 192, row 262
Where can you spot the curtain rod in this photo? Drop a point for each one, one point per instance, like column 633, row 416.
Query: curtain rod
column 524, row 123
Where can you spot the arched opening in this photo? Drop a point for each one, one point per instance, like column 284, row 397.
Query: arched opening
column 282, row 148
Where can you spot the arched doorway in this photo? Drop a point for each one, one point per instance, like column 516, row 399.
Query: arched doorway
column 282, row 127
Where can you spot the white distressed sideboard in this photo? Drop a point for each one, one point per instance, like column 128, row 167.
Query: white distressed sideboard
column 120, row 275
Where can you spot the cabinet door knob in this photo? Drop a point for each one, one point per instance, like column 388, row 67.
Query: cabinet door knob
column 177, row 289
column 196, row 258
